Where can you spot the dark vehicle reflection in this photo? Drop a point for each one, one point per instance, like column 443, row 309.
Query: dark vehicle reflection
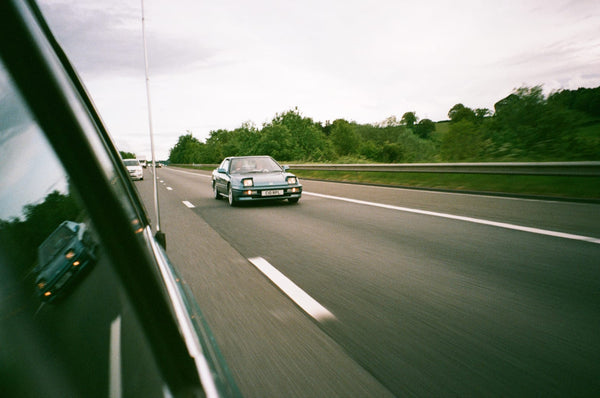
column 254, row 178
column 62, row 258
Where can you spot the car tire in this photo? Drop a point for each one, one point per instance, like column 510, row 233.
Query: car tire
column 216, row 194
column 293, row 200
column 230, row 198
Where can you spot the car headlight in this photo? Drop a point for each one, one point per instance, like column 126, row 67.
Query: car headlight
column 247, row 182
column 292, row 180
column 70, row 254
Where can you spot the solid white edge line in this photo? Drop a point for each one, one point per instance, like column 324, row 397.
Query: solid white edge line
column 188, row 204
column 467, row 219
column 114, row 371
column 299, row 296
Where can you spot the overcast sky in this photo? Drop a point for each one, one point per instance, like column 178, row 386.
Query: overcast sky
column 217, row 64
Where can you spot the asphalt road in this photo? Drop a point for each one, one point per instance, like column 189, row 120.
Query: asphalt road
column 430, row 294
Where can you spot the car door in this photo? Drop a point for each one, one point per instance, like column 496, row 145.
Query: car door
column 222, row 176
column 123, row 324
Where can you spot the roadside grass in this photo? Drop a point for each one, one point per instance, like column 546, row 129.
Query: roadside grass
column 587, row 188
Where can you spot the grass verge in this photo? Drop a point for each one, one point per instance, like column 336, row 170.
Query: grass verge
column 587, row 188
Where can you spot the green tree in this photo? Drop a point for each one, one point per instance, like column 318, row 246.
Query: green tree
column 424, row 128
column 127, row 155
column 528, row 123
column 409, row 119
column 187, row 150
column 308, row 138
column 276, row 141
column 344, row 138
column 463, row 142
column 460, row 112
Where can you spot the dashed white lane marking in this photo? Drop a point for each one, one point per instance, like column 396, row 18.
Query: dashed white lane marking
column 188, row 204
column 115, row 390
column 299, row 296
column 467, row 219
column 169, row 189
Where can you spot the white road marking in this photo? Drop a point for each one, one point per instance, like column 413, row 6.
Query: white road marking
column 169, row 189
column 114, row 371
column 188, row 204
column 462, row 218
column 299, row 296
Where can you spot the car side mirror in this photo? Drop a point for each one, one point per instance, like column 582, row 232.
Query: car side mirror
column 161, row 238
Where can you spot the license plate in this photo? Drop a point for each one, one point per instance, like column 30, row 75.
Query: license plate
column 275, row 192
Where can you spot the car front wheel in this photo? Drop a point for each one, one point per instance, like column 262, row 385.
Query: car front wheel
column 231, row 199
column 215, row 191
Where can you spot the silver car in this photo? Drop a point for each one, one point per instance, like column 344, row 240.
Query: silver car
column 136, row 172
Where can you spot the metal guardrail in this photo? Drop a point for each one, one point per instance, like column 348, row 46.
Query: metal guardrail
column 591, row 169
column 522, row 168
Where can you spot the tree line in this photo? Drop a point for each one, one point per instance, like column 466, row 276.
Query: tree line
column 525, row 126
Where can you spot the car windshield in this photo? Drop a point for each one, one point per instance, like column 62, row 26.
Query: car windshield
column 131, row 162
column 54, row 243
column 254, row 165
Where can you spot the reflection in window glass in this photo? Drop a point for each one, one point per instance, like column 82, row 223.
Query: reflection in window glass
column 53, row 338
column 67, row 327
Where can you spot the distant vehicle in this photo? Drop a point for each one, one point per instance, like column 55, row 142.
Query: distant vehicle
column 135, row 169
column 251, row 178
column 143, row 163
column 61, row 257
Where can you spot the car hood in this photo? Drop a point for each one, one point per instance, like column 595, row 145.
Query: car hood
column 266, row 179
column 133, row 168
column 53, row 268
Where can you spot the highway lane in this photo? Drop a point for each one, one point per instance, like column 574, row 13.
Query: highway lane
column 430, row 305
column 272, row 348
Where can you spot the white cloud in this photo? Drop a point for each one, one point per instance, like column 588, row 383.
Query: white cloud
column 217, row 64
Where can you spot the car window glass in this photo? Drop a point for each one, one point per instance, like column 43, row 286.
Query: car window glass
column 61, row 304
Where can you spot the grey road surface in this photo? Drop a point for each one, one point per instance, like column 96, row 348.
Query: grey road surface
column 432, row 295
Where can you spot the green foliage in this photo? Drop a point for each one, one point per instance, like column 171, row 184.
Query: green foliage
column 464, row 142
column 424, row 128
column 187, row 150
column 409, row 119
column 127, row 155
column 460, row 112
column 344, row 137
column 22, row 237
column 524, row 126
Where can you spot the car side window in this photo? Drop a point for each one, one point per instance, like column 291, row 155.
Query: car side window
column 225, row 165
column 62, row 312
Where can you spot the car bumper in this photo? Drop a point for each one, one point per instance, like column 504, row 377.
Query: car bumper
column 60, row 282
column 267, row 193
column 136, row 175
